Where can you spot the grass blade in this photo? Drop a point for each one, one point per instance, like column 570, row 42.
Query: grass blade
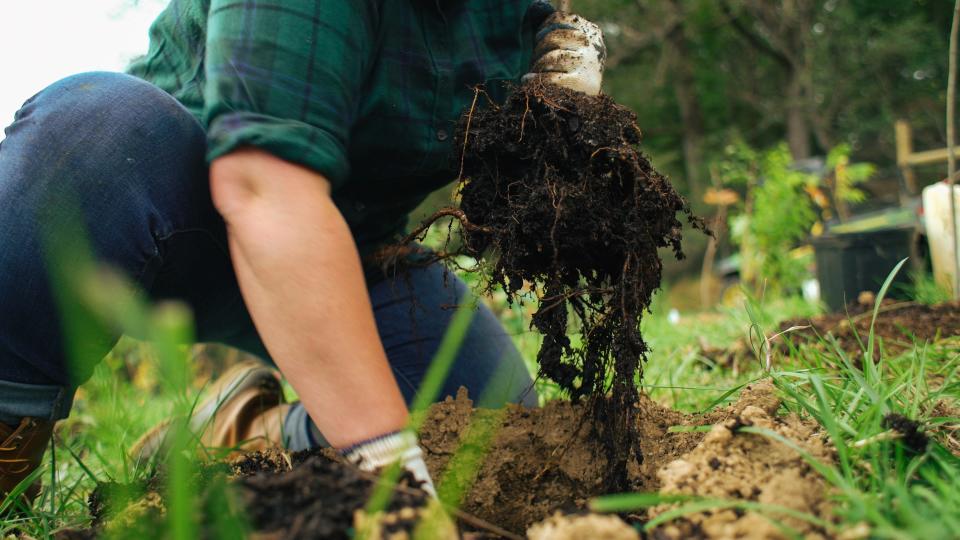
column 876, row 311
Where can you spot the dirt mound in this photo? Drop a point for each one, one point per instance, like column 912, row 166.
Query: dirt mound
column 537, row 462
column 730, row 464
column 304, row 495
column 317, row 499
column 898, row 325
column 542, row 460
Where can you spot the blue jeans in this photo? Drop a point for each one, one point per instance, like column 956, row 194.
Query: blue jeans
column 129, row 160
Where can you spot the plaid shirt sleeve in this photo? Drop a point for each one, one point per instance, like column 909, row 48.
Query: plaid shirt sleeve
column 285, row 76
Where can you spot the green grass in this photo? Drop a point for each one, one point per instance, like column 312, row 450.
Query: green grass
column 877, row 482
column 925, row 290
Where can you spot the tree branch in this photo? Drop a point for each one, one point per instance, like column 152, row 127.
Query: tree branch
column 754, row 39
column 635, row 41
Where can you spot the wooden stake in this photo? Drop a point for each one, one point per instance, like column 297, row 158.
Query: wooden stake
column 904, row 139
column 951, row 140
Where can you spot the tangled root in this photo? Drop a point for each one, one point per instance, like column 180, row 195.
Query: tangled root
column 557, row 199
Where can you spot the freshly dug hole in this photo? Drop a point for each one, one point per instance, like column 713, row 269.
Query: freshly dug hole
column 556, row 197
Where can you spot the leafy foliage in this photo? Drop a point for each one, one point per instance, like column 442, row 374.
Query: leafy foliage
column 776, row 216
column 846, row 175
column 782, row 216
column 695, row 77
column 782, row 204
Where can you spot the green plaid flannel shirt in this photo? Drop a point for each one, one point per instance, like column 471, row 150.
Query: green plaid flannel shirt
column 365, row 92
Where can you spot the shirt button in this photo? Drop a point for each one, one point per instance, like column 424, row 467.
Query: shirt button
column 442, row 135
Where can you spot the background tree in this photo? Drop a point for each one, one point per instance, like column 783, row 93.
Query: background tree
column 811, row 73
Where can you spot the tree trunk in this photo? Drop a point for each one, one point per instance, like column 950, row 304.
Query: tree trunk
column 691, row 114
column 798, row 129
column 707, row 279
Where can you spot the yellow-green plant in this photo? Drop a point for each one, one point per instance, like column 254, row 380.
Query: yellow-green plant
column 781, row 206
column 844, row 177
column 775, row 217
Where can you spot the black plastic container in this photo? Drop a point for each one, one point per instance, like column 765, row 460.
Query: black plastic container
column 850, row 263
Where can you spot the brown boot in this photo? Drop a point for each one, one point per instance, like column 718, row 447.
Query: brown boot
column 244, row 411
column 21, row 452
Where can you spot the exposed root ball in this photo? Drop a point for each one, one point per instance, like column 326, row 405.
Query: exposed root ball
column 557, row 197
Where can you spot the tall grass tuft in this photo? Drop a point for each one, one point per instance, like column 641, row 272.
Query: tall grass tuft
column 884, row 484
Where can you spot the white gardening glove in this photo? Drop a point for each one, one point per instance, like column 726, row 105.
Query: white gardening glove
column 569, row 53
column 400, row 446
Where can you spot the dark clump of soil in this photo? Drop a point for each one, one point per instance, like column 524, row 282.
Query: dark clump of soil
column 911, row 434
column 559, row 200
column 307, row 495
column 315, row 499
column 270, row 460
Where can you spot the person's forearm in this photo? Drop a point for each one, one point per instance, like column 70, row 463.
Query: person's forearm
column 302, row 281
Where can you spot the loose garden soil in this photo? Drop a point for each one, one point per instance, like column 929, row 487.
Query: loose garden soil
column 538, row 462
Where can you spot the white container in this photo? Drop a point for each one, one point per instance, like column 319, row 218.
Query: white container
column 936, row 219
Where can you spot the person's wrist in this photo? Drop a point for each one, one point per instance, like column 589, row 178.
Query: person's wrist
column 395, row 447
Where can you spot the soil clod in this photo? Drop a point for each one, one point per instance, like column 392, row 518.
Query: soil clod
column 911, row 434
column 583, row 527
column 317, row 499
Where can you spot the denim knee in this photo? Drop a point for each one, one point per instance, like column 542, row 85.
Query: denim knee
column 120, row 155
column 92, row 135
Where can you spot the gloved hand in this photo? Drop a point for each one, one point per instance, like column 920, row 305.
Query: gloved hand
column 569, row 53
column 399, row 446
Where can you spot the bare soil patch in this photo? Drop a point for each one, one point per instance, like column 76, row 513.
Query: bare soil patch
column 539, row 461
column 729, row 464
column 899, row 327
column 899, row 324
column 547, row 459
